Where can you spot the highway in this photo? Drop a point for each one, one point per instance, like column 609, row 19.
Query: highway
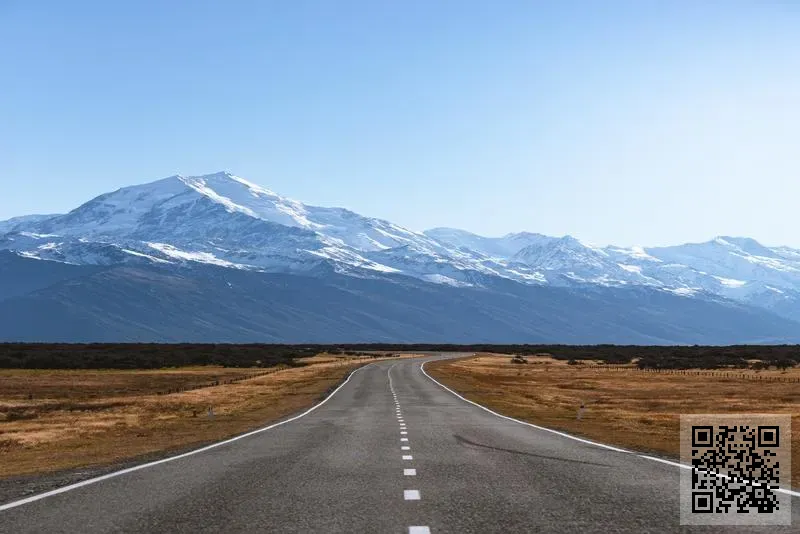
column 391, row 451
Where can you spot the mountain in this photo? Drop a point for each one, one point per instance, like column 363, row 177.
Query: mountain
column 10, row 224
column 501, row 247
column 215, row 257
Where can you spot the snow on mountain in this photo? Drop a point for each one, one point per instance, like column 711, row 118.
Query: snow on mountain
column 10, row 224
column 496, row 247
column 733, row 258
column 224, row 220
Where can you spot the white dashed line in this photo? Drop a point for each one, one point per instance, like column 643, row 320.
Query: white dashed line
column 411, row 495
column 408, row 495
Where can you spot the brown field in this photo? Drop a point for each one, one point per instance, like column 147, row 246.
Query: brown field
column 58, row 419
column 628, row 407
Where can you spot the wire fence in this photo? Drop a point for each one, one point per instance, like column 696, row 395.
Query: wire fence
column 703, row 372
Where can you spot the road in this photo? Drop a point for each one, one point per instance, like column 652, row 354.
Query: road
column 390, row 452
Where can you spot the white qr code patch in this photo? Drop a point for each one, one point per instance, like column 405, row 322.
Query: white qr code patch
column 739, row 463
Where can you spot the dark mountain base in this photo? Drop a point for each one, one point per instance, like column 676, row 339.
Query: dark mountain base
column 198, row 303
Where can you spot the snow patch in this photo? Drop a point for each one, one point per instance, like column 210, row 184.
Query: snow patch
column 145, row 256
column 631, row 268
column 731, row 282
column 446, row 280
column 200, row 257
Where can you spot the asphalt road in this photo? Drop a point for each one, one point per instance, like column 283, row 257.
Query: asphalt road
column 343, row 468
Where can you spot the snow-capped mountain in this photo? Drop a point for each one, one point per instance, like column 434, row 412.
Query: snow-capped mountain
column 738, row 268
column 224, row 221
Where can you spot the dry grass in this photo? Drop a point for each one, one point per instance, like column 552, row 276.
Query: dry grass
column 80, row 418
column 629, row 408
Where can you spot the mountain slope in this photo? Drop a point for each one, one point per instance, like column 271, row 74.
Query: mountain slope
column 218, row 304
column 136, row 263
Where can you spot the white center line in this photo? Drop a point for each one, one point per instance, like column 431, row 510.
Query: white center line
column 405, row 448
column 411, row 495
column 410, row 472
column 407, row 457
column 419, row 530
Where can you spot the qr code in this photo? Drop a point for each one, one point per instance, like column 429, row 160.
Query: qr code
column 738, row 465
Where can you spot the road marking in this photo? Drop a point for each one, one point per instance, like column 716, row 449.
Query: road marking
column 407, row 457
column 403, row 432
column 562, row 434
column 411, row 495
column 410, row 472
column 405, row 448
column 114, row 474
column 403, row 439
column 419, row 530
column 718, row 475
column 575, row 438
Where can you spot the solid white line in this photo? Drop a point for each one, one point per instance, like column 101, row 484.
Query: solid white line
column 575, row 438
column 407, row 457
column 411, row 495
column 419, row 530
column 562, row 434
column 95, row 480
column 403, row 439
column 410, row 472
column 405, row 448
column 718, row 475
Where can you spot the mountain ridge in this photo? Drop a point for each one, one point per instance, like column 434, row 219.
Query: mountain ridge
column 220, row 220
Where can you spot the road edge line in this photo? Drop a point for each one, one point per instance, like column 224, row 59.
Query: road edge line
column 114, row 474
column 557, row 432
column 570, row 436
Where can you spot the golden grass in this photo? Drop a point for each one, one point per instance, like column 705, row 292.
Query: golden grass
column 81, row 418
column 629, row 408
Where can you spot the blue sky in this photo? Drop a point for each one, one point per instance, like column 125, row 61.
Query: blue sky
column 642, row 122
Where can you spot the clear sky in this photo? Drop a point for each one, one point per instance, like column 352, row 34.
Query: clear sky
column 642, row 122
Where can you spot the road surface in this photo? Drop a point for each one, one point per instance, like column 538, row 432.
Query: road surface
column 390, row 452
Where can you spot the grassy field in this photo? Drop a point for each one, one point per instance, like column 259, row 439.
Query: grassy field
column 623, row 405
column 57, row 419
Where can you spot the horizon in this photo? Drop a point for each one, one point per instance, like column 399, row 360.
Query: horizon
column 624, row 124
